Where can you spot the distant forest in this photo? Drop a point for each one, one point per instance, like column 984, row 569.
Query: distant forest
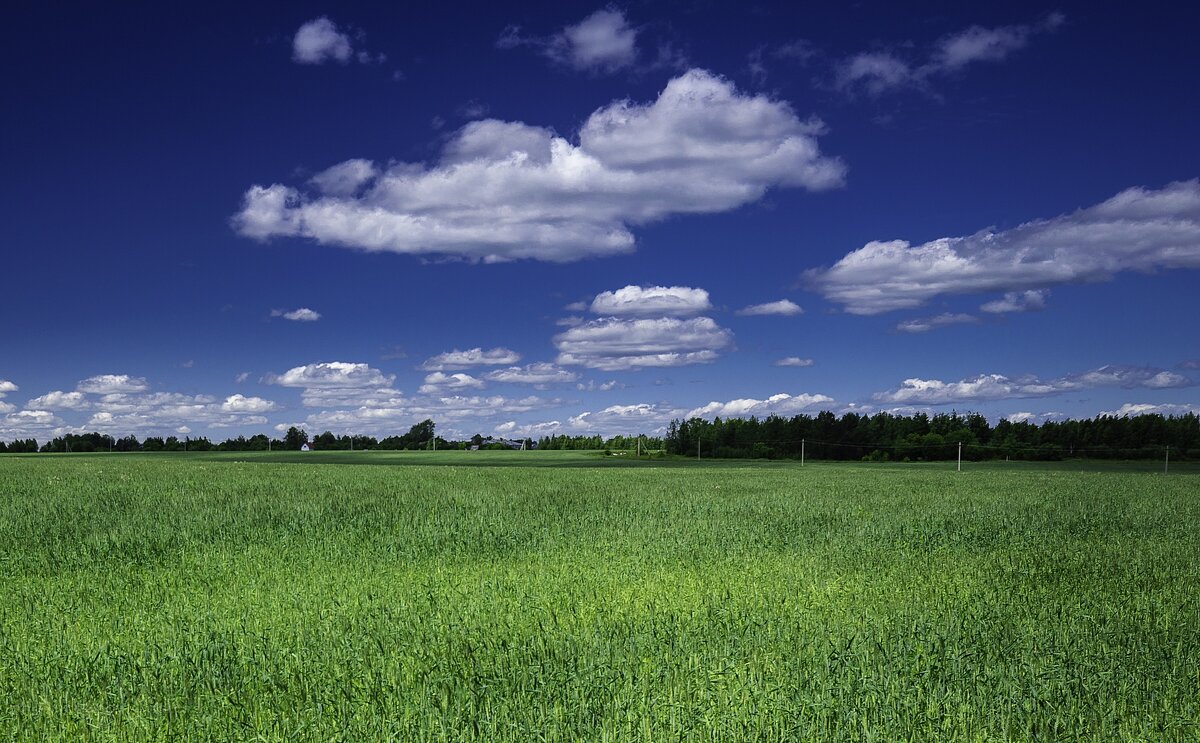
column 919, row 437
column 879, row 437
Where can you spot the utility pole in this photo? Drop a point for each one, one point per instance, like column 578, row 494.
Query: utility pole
column 697, row 447
column 639, row 447
column 960, row 456
column 801, row 452
column 351, row 442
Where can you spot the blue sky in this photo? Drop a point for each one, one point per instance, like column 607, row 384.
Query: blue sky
column 578, row 218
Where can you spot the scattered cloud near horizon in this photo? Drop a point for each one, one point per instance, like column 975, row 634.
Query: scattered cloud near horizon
column 1137, row 230
column 1000, row 387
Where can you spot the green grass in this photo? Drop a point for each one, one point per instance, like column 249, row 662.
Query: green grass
column 566, row 596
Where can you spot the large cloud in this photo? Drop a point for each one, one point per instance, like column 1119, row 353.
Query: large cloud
column 1134, row 409
column 59, row 400
column 1001, row 387
column 651, row 300
column 507, row 190
column 613, row 344
column 1136, row 230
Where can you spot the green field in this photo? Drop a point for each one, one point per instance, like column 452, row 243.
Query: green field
column 564, row 596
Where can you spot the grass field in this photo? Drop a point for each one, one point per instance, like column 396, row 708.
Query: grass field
column 561, row 596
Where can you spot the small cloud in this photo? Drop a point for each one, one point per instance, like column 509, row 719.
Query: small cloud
column 793, row 361
column 457, row 359
column 784, row 307
column 925, row 324
column 1026, row 301
column 473, row 109
column 108, row 384
column 651, row 300
column 303, row 314
column 187, row 364
column 242, row 377
column 320, row 41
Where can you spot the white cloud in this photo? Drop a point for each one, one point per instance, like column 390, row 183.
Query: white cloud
column 507, row 190
column 602, row 42
column 437, row 382
column 318, row 41
column 105, row 384
column 1001, row 387
column 1035, row 418
column 783, row 307
column 6, row 387
column 1026, row 301
column 242, row 377
column 332, row 374
column 879, row 72
column 613, row 344
column 303, row 314
column 793, row 361
column 591, row 385
column 925, row 324
column 346, row 178
column 1134, row 409
column 457, row 359
column 651, row 300
column 59, row 400
column 541, row 373
column 1136, row 230
column 6, row 407
column 242, row 404
column 781, row 404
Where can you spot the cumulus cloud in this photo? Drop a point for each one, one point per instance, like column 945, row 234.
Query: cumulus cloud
column 331, row 374
column 783, row 307
column 1001, row 387
column 879, row 72
column 1129, row 410
column 925, row 324
column 1026, row 417
column 438, row 381
column 1026, row 301
column 613, row 344
column 540, row 374
column 781, row 404
column 318, row 41
column 59, row 400
column 7, row 387
column 105, row 384
column 303, row 314
column 1137, row 230
column 651, row 300
column 508, row 190
column 457, row 359
column 241, row 404
column 793, row 361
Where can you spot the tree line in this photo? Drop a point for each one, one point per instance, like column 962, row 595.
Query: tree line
column 920, row 437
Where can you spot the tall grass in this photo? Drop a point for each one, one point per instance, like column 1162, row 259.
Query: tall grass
column 163, row 598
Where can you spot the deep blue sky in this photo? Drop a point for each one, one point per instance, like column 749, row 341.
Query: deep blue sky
column 139, row 298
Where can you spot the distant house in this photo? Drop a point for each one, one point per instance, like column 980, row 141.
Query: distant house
column 305, row 447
